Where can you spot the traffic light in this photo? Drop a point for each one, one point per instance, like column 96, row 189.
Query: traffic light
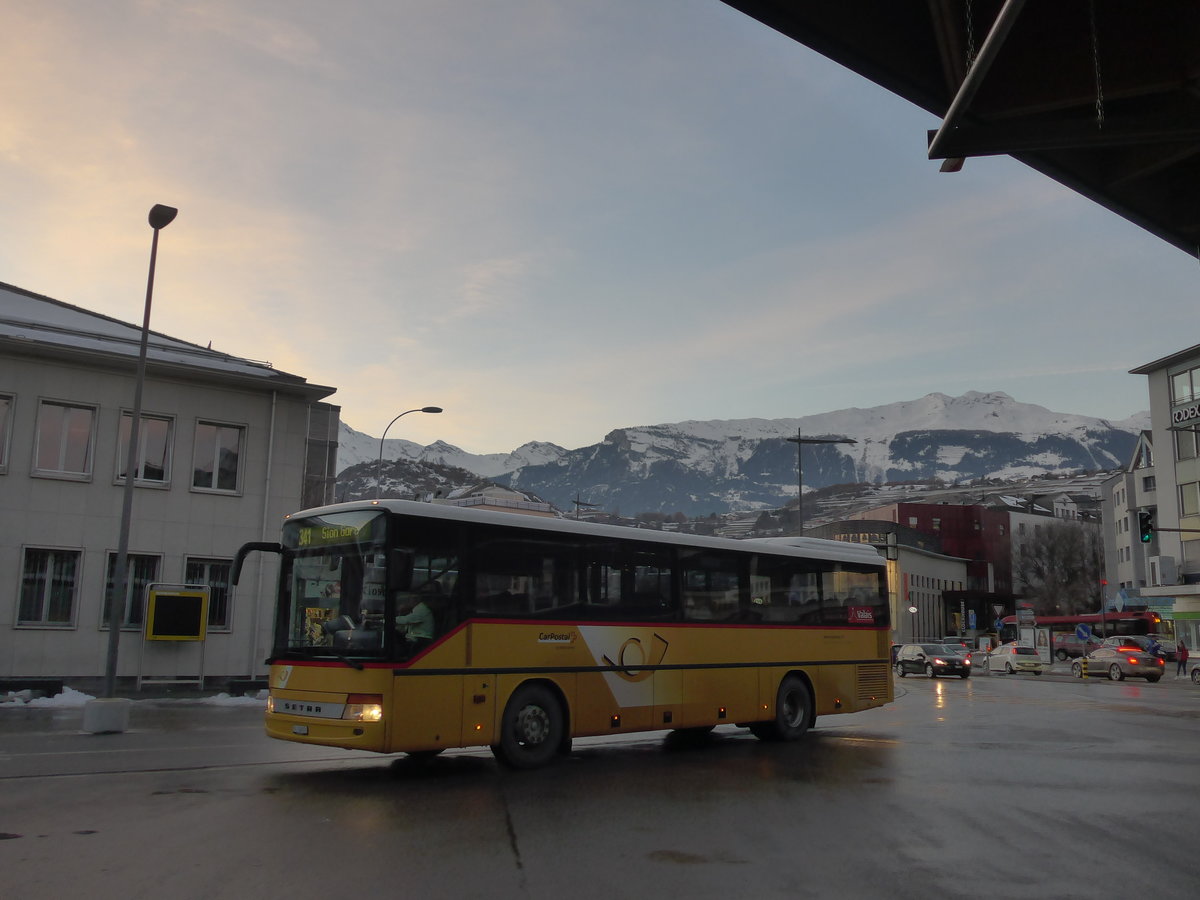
column 1146, row 526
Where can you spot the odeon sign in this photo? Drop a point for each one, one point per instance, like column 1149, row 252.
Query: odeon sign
column 1185, row 414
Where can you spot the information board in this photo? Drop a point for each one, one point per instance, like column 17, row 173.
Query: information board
column 177, row 614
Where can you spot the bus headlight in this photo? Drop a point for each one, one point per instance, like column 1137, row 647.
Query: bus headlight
column 364, row 708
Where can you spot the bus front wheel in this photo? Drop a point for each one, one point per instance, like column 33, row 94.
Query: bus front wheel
column 532, row 729
column 793, row 712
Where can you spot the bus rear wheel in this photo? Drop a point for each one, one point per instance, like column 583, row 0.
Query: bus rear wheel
column 532, row 729
column 793, row 712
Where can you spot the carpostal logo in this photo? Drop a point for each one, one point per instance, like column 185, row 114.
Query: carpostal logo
column 565, row 638
column 281, row 679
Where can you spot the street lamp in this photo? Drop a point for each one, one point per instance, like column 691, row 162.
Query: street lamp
column 913, row 628
column 799, row 440
column 379, row 465
column 160, row 217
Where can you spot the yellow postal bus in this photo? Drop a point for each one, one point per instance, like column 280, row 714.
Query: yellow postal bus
column 414, row 627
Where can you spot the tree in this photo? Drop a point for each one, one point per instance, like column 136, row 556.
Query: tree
column 1060, row 568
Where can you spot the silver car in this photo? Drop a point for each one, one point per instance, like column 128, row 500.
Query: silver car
column 1119, row 663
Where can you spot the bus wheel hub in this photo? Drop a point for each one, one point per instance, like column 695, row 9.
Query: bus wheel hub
column 533, row 725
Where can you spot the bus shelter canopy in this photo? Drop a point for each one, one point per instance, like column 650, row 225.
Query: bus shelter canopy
column 1101, row 95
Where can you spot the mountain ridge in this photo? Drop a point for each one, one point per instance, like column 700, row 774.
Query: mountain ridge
column 721, row 465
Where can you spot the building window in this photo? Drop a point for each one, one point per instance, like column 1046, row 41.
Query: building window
column 64, row 440
column 1189, row 499
column 143, row 571
column 6, row 402
column 153, row 464
column 1149, row 483
column 1182, row 389
column 48, row 587
column 1185, row 444
column 216, row 456
column 937, row 524
column 215, row 574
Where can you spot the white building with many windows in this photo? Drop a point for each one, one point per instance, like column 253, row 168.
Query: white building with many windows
column 228, row 446
column 1172, row 494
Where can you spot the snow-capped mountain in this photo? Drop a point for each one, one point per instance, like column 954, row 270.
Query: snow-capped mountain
column 698, row 467
column 355, row 447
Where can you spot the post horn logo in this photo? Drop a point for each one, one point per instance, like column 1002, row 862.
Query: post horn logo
column 633, row 656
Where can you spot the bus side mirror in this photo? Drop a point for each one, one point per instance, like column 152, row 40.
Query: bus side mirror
column 400, row 570
column 246, row 549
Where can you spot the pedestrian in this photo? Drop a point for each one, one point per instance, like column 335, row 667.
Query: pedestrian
column 1181, row 657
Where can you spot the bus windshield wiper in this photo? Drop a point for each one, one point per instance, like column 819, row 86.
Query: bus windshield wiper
column 354, row 664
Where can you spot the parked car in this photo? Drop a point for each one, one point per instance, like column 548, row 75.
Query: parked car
column 1068, row 646
column 1165, row 646
column 1121, row 662
column 933, row 659
column 1196, row 674
column 1012, row 659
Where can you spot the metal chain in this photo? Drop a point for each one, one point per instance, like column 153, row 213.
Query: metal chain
column 1096, row 64
column 970, row 34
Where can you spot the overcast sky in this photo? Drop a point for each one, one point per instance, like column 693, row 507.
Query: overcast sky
column 553, row 217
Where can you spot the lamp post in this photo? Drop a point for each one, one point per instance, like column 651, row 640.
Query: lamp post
column 160, row 217
column 913, row 627
column 379, row 465
column 799, row 440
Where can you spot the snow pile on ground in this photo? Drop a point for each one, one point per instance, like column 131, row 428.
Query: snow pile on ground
column 68, row 699
column 71, row 698
column 224, row 699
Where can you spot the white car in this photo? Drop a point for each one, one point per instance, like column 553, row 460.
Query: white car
column 1012, row 659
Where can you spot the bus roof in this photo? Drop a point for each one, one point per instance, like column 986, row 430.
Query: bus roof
column 812, row 548
column 1090, row 618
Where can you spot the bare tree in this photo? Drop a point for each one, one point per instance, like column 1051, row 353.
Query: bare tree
column 1060, row 568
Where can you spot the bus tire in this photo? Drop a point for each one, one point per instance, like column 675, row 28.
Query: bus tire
column 532, row 729
column 793, row 712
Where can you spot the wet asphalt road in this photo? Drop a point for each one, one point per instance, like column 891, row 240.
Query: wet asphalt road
column 1004, row 786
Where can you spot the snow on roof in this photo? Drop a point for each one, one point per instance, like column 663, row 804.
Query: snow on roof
column 25, row 316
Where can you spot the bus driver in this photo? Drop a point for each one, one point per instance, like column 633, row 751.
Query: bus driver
column 415, row 622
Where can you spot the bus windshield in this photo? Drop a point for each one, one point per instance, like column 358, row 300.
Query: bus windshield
column 333, row 584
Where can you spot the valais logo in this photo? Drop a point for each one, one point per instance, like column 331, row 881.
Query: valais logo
column 861, row 615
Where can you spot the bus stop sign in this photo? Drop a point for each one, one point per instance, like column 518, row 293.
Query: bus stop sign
column 1083, row 631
